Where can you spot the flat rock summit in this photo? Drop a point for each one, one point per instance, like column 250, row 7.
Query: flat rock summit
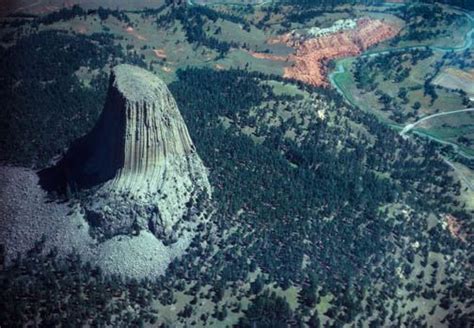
column 138, row 161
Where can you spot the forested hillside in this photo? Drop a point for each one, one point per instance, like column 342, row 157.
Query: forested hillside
column 43, row 90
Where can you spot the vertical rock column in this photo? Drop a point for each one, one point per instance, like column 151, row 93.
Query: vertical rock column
column 139, row 160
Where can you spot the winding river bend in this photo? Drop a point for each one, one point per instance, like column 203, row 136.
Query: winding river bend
column 468, row 41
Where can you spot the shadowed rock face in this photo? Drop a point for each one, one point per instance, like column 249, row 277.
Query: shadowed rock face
column 139, row 160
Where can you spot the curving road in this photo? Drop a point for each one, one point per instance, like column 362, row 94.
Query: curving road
column 468, row 42
column 410, row 126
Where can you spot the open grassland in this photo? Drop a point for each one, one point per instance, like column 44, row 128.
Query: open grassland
column 347, row 85
column 467, row 182
column 46, row 6
column 164, row 51
column 225, row 30
column 406, row 91
column 242, row 59
column 452, row 127
column 395, row 88
column 454, row 78
column 282, row 88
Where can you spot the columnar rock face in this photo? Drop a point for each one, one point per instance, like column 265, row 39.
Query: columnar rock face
column 139, row 161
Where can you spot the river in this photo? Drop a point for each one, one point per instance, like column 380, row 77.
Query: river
column 468, row 40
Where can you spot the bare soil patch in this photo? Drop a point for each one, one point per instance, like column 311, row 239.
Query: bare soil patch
column 311, row 57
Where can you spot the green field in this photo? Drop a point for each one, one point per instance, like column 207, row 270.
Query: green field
column 408, row 100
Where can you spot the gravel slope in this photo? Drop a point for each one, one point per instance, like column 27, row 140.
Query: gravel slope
column 26, row 214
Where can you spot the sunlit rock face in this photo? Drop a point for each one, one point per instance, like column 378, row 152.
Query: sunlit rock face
column 139, row 161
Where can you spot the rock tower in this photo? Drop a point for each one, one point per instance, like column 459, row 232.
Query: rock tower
column 138, row 166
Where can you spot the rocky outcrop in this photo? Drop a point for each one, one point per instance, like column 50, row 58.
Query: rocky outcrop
column 369, row 32
column 138, row 166
column 455, row 227
column 312, row 55
column 309, row 62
